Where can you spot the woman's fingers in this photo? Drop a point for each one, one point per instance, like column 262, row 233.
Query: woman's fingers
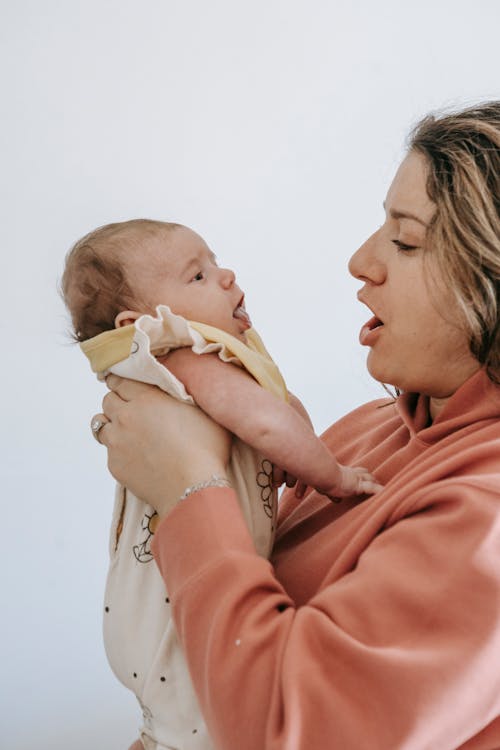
column 122, row 392
column 157, row 445
column 97, row 423
column 278, row 476
column 300, row 490
column 112, row 403
column 126, row 389
column 114, row 382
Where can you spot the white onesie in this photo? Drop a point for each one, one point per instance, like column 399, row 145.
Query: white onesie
column 139, row 636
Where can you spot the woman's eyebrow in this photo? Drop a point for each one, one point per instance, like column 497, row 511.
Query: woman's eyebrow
column 396, row 214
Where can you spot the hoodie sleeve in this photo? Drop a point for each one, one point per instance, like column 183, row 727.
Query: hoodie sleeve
column 400, row 652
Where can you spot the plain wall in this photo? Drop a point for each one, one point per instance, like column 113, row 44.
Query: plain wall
column 273, row 128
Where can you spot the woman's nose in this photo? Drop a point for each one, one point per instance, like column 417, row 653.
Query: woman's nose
column 227, row 277
column 366, row 264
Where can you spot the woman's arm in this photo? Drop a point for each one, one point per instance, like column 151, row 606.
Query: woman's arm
column 399, row 652
column 397, row 644
column 282, row 432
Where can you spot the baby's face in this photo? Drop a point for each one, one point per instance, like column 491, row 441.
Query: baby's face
column 181, row 271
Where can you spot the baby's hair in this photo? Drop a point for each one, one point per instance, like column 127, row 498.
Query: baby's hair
column 94, row 284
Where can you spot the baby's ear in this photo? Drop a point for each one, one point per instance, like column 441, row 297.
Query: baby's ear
column 126, row 318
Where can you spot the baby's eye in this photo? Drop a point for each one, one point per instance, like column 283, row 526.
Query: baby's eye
column 198, row 277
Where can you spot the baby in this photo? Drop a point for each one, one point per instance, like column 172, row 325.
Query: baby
column 149, row 302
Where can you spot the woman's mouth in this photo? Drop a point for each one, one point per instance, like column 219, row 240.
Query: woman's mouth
column 241, row 314
column 370, row 331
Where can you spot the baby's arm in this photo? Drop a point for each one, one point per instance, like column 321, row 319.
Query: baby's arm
column 236, row 401
column 300, row 409
column 282, row 477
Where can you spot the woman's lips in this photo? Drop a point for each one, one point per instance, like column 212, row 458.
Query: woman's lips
column 370, row 331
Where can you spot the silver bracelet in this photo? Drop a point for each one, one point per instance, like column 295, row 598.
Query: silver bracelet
column 214, row 481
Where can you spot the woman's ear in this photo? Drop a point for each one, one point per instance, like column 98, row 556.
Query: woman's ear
column 126, row 318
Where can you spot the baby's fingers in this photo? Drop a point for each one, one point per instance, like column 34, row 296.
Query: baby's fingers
column 369, row 486
column 355, row 481
column 366, row 482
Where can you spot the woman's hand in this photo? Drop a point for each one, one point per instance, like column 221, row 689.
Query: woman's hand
column 283, row 477
column 157, row 445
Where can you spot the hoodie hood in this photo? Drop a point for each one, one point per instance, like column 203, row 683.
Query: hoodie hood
column 476, row 401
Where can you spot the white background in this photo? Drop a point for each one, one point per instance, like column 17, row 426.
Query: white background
column 273, row 128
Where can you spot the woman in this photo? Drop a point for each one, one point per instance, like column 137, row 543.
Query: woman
column 377, row 623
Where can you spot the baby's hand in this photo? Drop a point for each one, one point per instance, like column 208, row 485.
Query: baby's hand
column 353, row 481
column 349, row 481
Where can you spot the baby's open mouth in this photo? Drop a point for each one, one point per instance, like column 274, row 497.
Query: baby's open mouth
column 241, row 314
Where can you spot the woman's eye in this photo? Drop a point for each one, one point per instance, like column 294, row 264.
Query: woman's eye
column 402, row 246
column 198, row 277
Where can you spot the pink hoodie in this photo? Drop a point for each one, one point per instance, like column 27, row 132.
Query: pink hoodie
column 376, row 625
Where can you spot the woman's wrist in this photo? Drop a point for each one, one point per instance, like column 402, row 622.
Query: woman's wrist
column 200, row 475
column 216, row 480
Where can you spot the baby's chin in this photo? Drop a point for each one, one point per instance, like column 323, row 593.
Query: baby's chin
column 238, row 334
column 238, row 327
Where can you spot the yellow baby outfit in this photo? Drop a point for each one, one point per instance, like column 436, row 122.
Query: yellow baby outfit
column 140, row 641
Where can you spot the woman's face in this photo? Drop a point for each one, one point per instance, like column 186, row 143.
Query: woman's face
column 413, row 339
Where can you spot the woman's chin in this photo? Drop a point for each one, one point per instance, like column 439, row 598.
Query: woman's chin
column 377, row 369
column 383, row 374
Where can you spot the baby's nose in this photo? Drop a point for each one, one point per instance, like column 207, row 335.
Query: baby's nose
column 227, row 277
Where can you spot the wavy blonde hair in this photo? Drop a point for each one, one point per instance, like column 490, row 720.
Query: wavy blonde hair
column 462, row 151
